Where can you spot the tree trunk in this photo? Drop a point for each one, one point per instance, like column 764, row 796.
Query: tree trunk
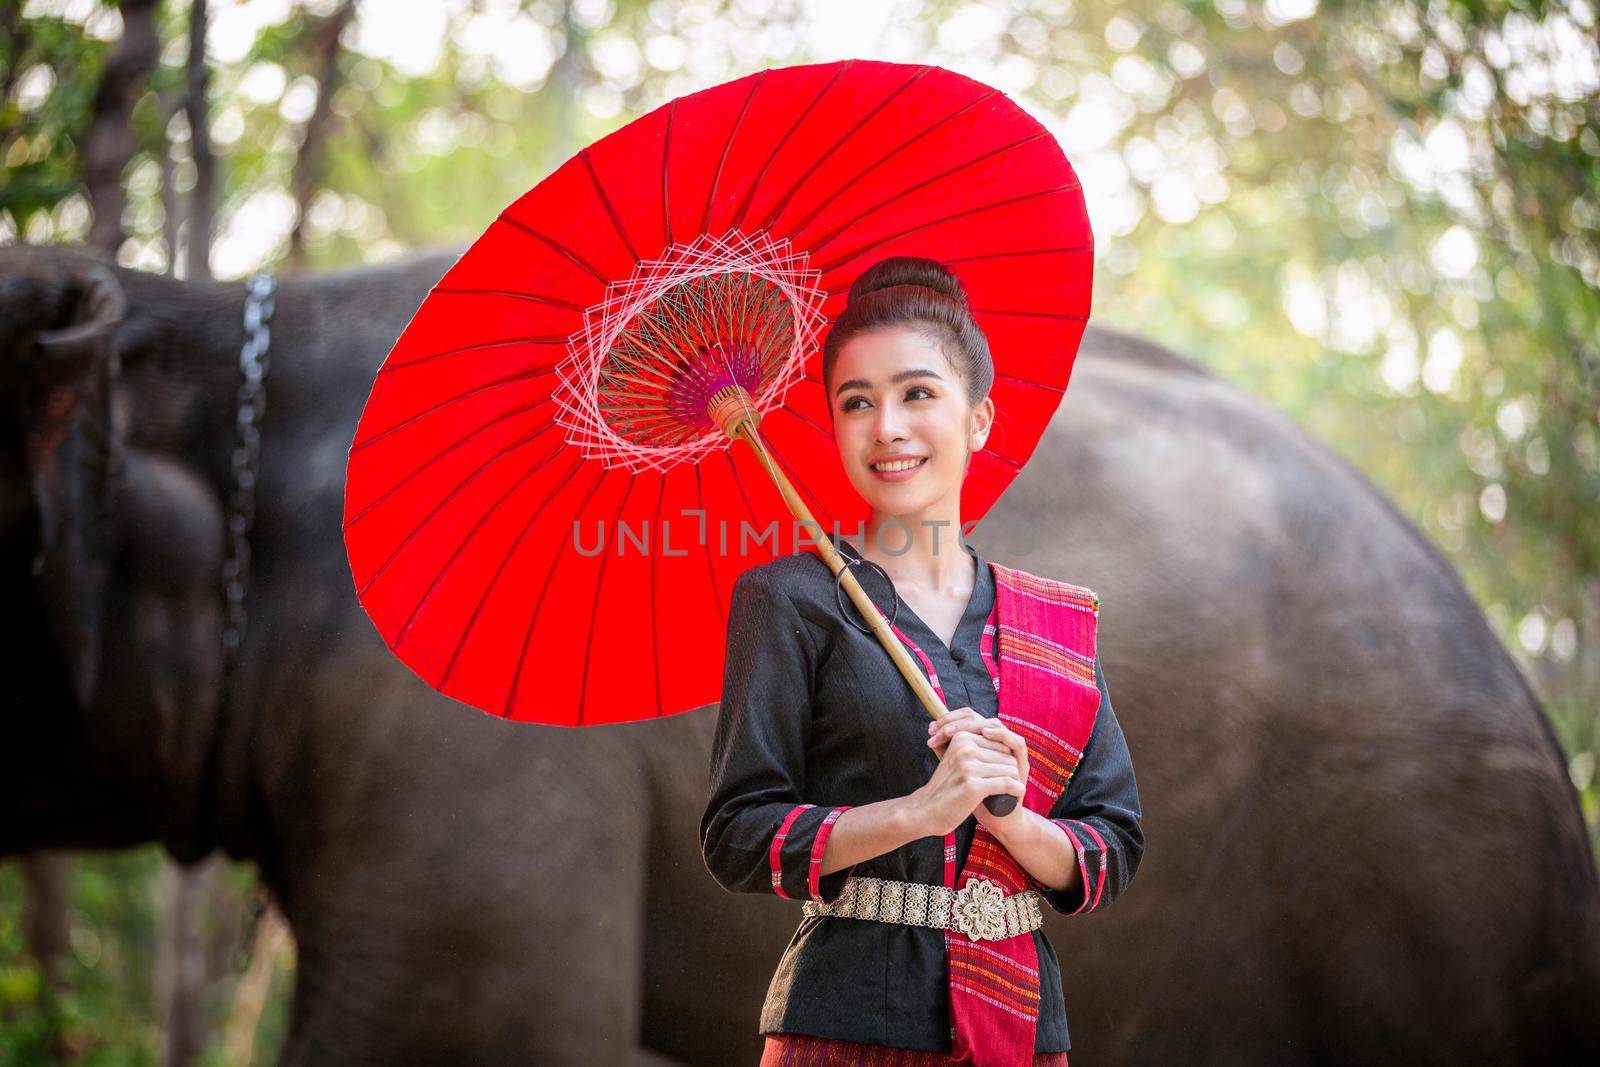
column 272, row 946
column 110, row 142
column 47, row 917
column 169, row 195
column 308, row 164
column 203, row 199
column 181, row 972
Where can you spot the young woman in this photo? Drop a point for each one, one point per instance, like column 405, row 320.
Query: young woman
column 831, row 784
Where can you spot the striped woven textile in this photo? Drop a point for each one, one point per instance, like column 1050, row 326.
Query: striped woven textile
column 1039, row 641
column 804, row 1050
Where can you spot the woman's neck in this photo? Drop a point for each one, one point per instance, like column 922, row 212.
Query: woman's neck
column 927, row 553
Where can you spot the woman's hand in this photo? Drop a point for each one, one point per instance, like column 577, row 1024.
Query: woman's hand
column 1001, row 825
column 978, row 758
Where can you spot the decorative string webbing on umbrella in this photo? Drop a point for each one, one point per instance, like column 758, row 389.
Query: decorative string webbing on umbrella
column 740, row 309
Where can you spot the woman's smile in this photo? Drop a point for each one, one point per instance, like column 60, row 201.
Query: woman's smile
column 897, row 468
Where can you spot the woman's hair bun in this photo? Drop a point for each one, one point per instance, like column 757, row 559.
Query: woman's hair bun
column 908, row 270
column 923, row 294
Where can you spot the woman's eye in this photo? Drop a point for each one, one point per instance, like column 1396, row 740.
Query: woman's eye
column 849, row 405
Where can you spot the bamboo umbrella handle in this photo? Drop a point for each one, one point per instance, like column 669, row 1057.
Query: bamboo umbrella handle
column 741, row 414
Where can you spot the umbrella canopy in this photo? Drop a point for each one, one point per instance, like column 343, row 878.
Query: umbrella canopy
column 542, row 517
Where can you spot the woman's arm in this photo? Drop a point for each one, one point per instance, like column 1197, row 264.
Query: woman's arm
column 870, row 830
column 758, row 835
column 1094, row 826
column 1044, row 854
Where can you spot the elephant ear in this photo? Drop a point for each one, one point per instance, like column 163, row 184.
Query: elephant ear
column 74, row 434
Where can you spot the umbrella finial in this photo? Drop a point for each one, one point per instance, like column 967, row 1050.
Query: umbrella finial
column 731, row 407
column 741, row 310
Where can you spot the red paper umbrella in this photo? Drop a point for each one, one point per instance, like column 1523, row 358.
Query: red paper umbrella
column 546, row 505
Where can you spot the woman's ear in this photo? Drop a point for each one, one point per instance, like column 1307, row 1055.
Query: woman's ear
column 981, row 422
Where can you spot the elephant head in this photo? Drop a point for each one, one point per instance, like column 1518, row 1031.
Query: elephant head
column 111, row 541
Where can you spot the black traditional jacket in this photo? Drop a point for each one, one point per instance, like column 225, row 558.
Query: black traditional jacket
column 815, row 716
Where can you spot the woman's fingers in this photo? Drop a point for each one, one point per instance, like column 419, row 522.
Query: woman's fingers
column 958, row 721
column 957, row 718
column 1007, row 783
column 999, row 732
column 986, row 752
column 989, row 756
column 977, row 738
column 1013, row 740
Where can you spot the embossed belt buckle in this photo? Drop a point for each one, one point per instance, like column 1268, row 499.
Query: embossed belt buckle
column 979, row 910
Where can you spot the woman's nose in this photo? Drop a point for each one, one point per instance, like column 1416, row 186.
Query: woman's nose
column 889, row 424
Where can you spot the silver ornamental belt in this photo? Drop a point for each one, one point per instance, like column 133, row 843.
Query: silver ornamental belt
column 980, row 909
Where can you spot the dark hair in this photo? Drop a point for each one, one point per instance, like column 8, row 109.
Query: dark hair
column 923, row 294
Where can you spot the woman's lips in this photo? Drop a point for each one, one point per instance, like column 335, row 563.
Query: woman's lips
column 899, row 476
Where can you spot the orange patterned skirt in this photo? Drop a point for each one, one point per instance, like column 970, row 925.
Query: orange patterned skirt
column 805, row 1050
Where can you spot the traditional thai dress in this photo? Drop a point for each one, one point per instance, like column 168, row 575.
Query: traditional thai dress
column 815, row 718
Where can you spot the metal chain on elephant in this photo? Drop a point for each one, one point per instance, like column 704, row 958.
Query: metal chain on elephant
column 260, row 295
column 258, row 306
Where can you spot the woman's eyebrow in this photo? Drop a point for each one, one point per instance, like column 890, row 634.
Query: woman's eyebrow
column 905, row 375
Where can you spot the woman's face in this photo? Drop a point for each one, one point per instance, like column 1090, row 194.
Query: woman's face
column 894, row 394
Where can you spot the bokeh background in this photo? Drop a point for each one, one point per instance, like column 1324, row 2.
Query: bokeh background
column 1383, row 218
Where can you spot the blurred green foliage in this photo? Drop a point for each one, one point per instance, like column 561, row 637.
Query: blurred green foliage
column 1381, row 217
column 104, row 1011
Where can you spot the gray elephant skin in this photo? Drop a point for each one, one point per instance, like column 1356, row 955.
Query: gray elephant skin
column 1362, row 843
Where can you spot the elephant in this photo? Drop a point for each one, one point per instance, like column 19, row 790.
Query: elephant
column 464, row 889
